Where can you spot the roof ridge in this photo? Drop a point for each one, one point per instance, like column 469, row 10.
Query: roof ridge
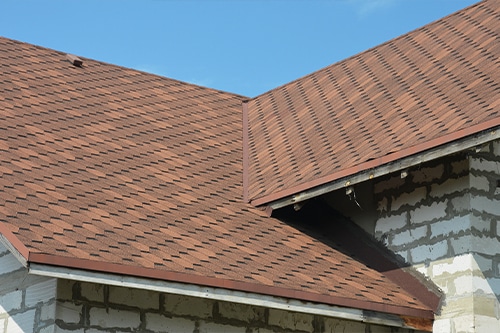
column 62, row 53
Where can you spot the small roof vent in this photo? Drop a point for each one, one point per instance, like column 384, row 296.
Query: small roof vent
column 74, row 60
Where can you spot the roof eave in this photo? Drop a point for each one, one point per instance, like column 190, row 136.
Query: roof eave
column 443, row 146
column 214, row 288
column 408, row 318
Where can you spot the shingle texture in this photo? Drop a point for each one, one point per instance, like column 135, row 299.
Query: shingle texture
column 109, row 165
column 426, row 85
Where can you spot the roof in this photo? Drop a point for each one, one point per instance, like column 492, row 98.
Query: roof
column 423, row 90
column 109, row 169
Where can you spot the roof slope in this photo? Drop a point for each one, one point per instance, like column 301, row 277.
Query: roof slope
column 423, row 89
column 110, row 169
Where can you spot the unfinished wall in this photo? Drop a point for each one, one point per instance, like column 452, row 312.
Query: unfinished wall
column 444, row 219
column 92, row 308
column 27, row 303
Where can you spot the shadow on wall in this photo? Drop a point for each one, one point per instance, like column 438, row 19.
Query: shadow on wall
column 320, row 221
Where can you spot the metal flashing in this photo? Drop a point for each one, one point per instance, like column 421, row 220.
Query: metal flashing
column 381, row 314
column 38, row 260
column 245, row 151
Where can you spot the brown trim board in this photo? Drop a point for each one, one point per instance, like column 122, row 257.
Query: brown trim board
column 14, row 241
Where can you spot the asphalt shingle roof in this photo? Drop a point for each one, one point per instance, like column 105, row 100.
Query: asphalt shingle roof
column 111, row 169
column 428, row 87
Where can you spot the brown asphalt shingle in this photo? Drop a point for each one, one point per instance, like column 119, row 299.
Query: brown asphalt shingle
column 425, row 85
column 107, row 168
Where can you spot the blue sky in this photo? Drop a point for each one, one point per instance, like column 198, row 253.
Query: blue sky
column 242, row 46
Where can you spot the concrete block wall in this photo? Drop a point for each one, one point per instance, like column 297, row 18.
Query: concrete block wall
column 90, row 308
column 444, row 219
column 27, row 303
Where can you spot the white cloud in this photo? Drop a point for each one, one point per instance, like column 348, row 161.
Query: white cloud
column 151, row 69
column 158, row 70
column 201, row 82
column 367, row 7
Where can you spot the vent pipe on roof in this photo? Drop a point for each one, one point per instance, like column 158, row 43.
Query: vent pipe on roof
column 74, row 60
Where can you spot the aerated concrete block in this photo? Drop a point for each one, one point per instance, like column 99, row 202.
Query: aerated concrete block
column 486, row 245
column 486, row 324
column 409, row 236
column 92, row 292
column 391, row 183
column 69, row 312
column 450, row 227
column 423, row 214
column 496, row 148
column 465, row 323
column 426, row 175
column 291, row 320
column 448, row 187
column 452, row 266
column 481, row 164
column 485, row 205
column 427, row 252
column 61, row 330
column 142, row 299
column 110, row 318
column 48, row 329
column 3, row 250
column 461, row 245
column 472, row 284
column 460, row 167
column 48, row 311
column 11, row 301
column 495, row 286
column 162, row 324
column 480, row 183
column 41, row 292
column 387, row 224
column 482, row 264
column 9, row 264
column 340, row 326
column 461, row 204
column 242, row 312
column 410, row 199
column 220, row 328
column 22, row 322
column 442, row 326
column 186, row 305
